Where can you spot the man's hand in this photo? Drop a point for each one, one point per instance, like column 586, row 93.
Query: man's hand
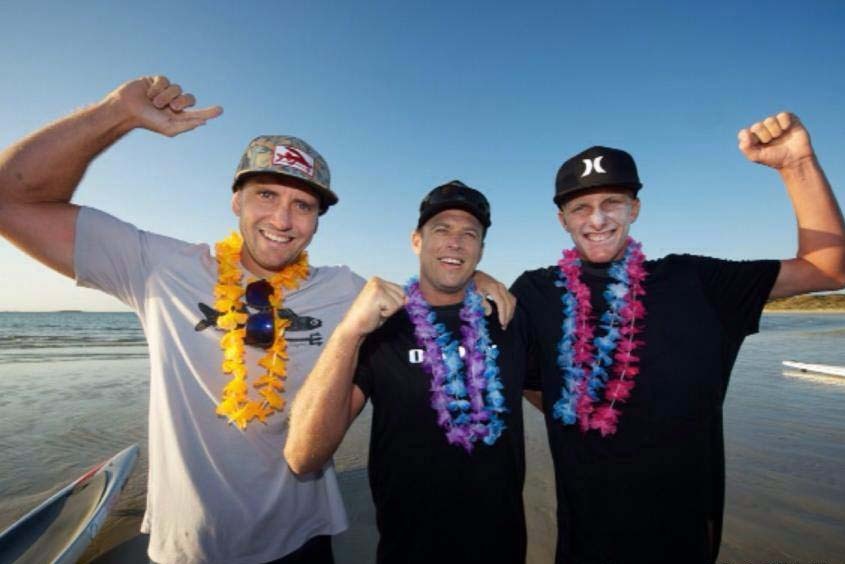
column 495, row 291
column 153, row 103
column 377, row 301
column 779, row 142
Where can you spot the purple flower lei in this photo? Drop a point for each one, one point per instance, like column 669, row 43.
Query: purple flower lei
column 466, row 394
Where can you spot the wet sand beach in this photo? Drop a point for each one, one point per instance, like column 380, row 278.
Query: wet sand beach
column 73, row 391
column 120, row 542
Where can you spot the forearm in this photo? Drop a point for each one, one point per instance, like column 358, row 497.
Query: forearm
column 322, row 412
column 821, row 230
column 46, row 166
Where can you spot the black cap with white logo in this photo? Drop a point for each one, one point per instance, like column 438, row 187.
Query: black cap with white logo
column 595, row 167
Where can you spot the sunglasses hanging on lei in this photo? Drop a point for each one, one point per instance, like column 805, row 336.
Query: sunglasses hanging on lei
column 262, row 329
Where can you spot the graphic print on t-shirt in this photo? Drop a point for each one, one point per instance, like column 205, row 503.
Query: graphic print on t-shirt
column 416, row 356
column 298, row 324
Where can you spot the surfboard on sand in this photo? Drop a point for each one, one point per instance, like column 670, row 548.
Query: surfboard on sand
column 827, row 369
column 60, row 529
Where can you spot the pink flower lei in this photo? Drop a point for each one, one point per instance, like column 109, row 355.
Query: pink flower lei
column 591, row 363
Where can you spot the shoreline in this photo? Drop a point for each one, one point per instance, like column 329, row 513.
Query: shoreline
column 806, row 311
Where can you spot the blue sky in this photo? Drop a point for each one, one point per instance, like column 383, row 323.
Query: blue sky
column 400, row 97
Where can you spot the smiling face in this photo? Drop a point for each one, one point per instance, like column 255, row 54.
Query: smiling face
column 278, row 218
column 598, row 221
column 449, row 246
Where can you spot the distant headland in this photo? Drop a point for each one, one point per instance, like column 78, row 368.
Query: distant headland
column 815, row 303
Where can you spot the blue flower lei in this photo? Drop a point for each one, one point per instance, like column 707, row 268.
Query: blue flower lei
column 466, row 393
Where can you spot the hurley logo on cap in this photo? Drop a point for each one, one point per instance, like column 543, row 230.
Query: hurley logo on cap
column 591, row 165
column 595, row 167
column 286, row 155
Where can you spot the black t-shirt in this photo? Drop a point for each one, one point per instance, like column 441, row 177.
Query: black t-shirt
column 434, row 501
column 647, row 493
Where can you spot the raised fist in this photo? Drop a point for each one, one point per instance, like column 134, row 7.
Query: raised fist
column 778, row 141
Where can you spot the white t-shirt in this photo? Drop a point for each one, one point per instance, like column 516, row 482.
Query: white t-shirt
column 215, row 493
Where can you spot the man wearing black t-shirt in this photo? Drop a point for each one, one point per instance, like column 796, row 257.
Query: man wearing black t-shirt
column 446, row 461
column 634, row 373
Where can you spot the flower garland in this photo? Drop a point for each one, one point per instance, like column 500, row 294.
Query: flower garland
column 584, row 358
column 235, row 403
column 466, row 394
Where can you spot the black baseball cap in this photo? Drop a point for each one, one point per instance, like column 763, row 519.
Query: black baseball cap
column 593, row 168
column 455, row 195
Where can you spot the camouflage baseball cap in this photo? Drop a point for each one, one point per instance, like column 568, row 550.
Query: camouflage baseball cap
column 287, row 156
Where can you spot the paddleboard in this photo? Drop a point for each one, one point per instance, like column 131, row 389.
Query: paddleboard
column 60, row 529
column 828, row 369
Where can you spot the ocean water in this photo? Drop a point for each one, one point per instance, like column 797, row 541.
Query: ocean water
column 73, row 391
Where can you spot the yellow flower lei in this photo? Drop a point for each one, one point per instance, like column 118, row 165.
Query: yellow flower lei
column 234, row 400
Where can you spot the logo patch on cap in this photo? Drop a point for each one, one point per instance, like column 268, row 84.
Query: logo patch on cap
column 294, row 158
column 591, row 165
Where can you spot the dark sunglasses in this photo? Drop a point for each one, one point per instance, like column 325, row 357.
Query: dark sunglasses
column 260, row 326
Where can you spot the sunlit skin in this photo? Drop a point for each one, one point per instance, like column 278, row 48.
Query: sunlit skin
column 598, row 220
column 449, row 245
column 277, row 219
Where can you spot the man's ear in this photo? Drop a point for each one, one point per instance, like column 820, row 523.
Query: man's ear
column 416, row 241
column 635, row 210
column 561, row 217
column 236, row 202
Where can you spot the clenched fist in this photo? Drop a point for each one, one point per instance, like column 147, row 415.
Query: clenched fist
column 779, row 141
column 376, row 302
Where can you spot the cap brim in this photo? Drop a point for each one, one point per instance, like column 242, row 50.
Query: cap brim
column 567, row 194
column 327, row 197
column 431, row 211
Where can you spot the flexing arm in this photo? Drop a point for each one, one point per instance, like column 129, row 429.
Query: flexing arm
column 39, row 174
column 328, row 401
column 782, row 142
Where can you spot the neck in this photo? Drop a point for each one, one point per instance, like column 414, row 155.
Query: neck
column 255, row 269
column 436, row 297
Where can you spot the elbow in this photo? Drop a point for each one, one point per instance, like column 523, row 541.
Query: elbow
column 300, row 463
column 299, row 469
column 297, row 463
column 836, row 280
column 840, row 278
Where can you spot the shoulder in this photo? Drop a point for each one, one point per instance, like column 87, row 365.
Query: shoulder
column 328, row 285
column 540, row 274
column 677, row 264
column 535, row 279
column 705, row 264
column 98, row 229
column 338, row 276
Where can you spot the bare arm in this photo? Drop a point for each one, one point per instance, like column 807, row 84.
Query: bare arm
column 328, row 402
column 40, row 173
column 783, row 143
